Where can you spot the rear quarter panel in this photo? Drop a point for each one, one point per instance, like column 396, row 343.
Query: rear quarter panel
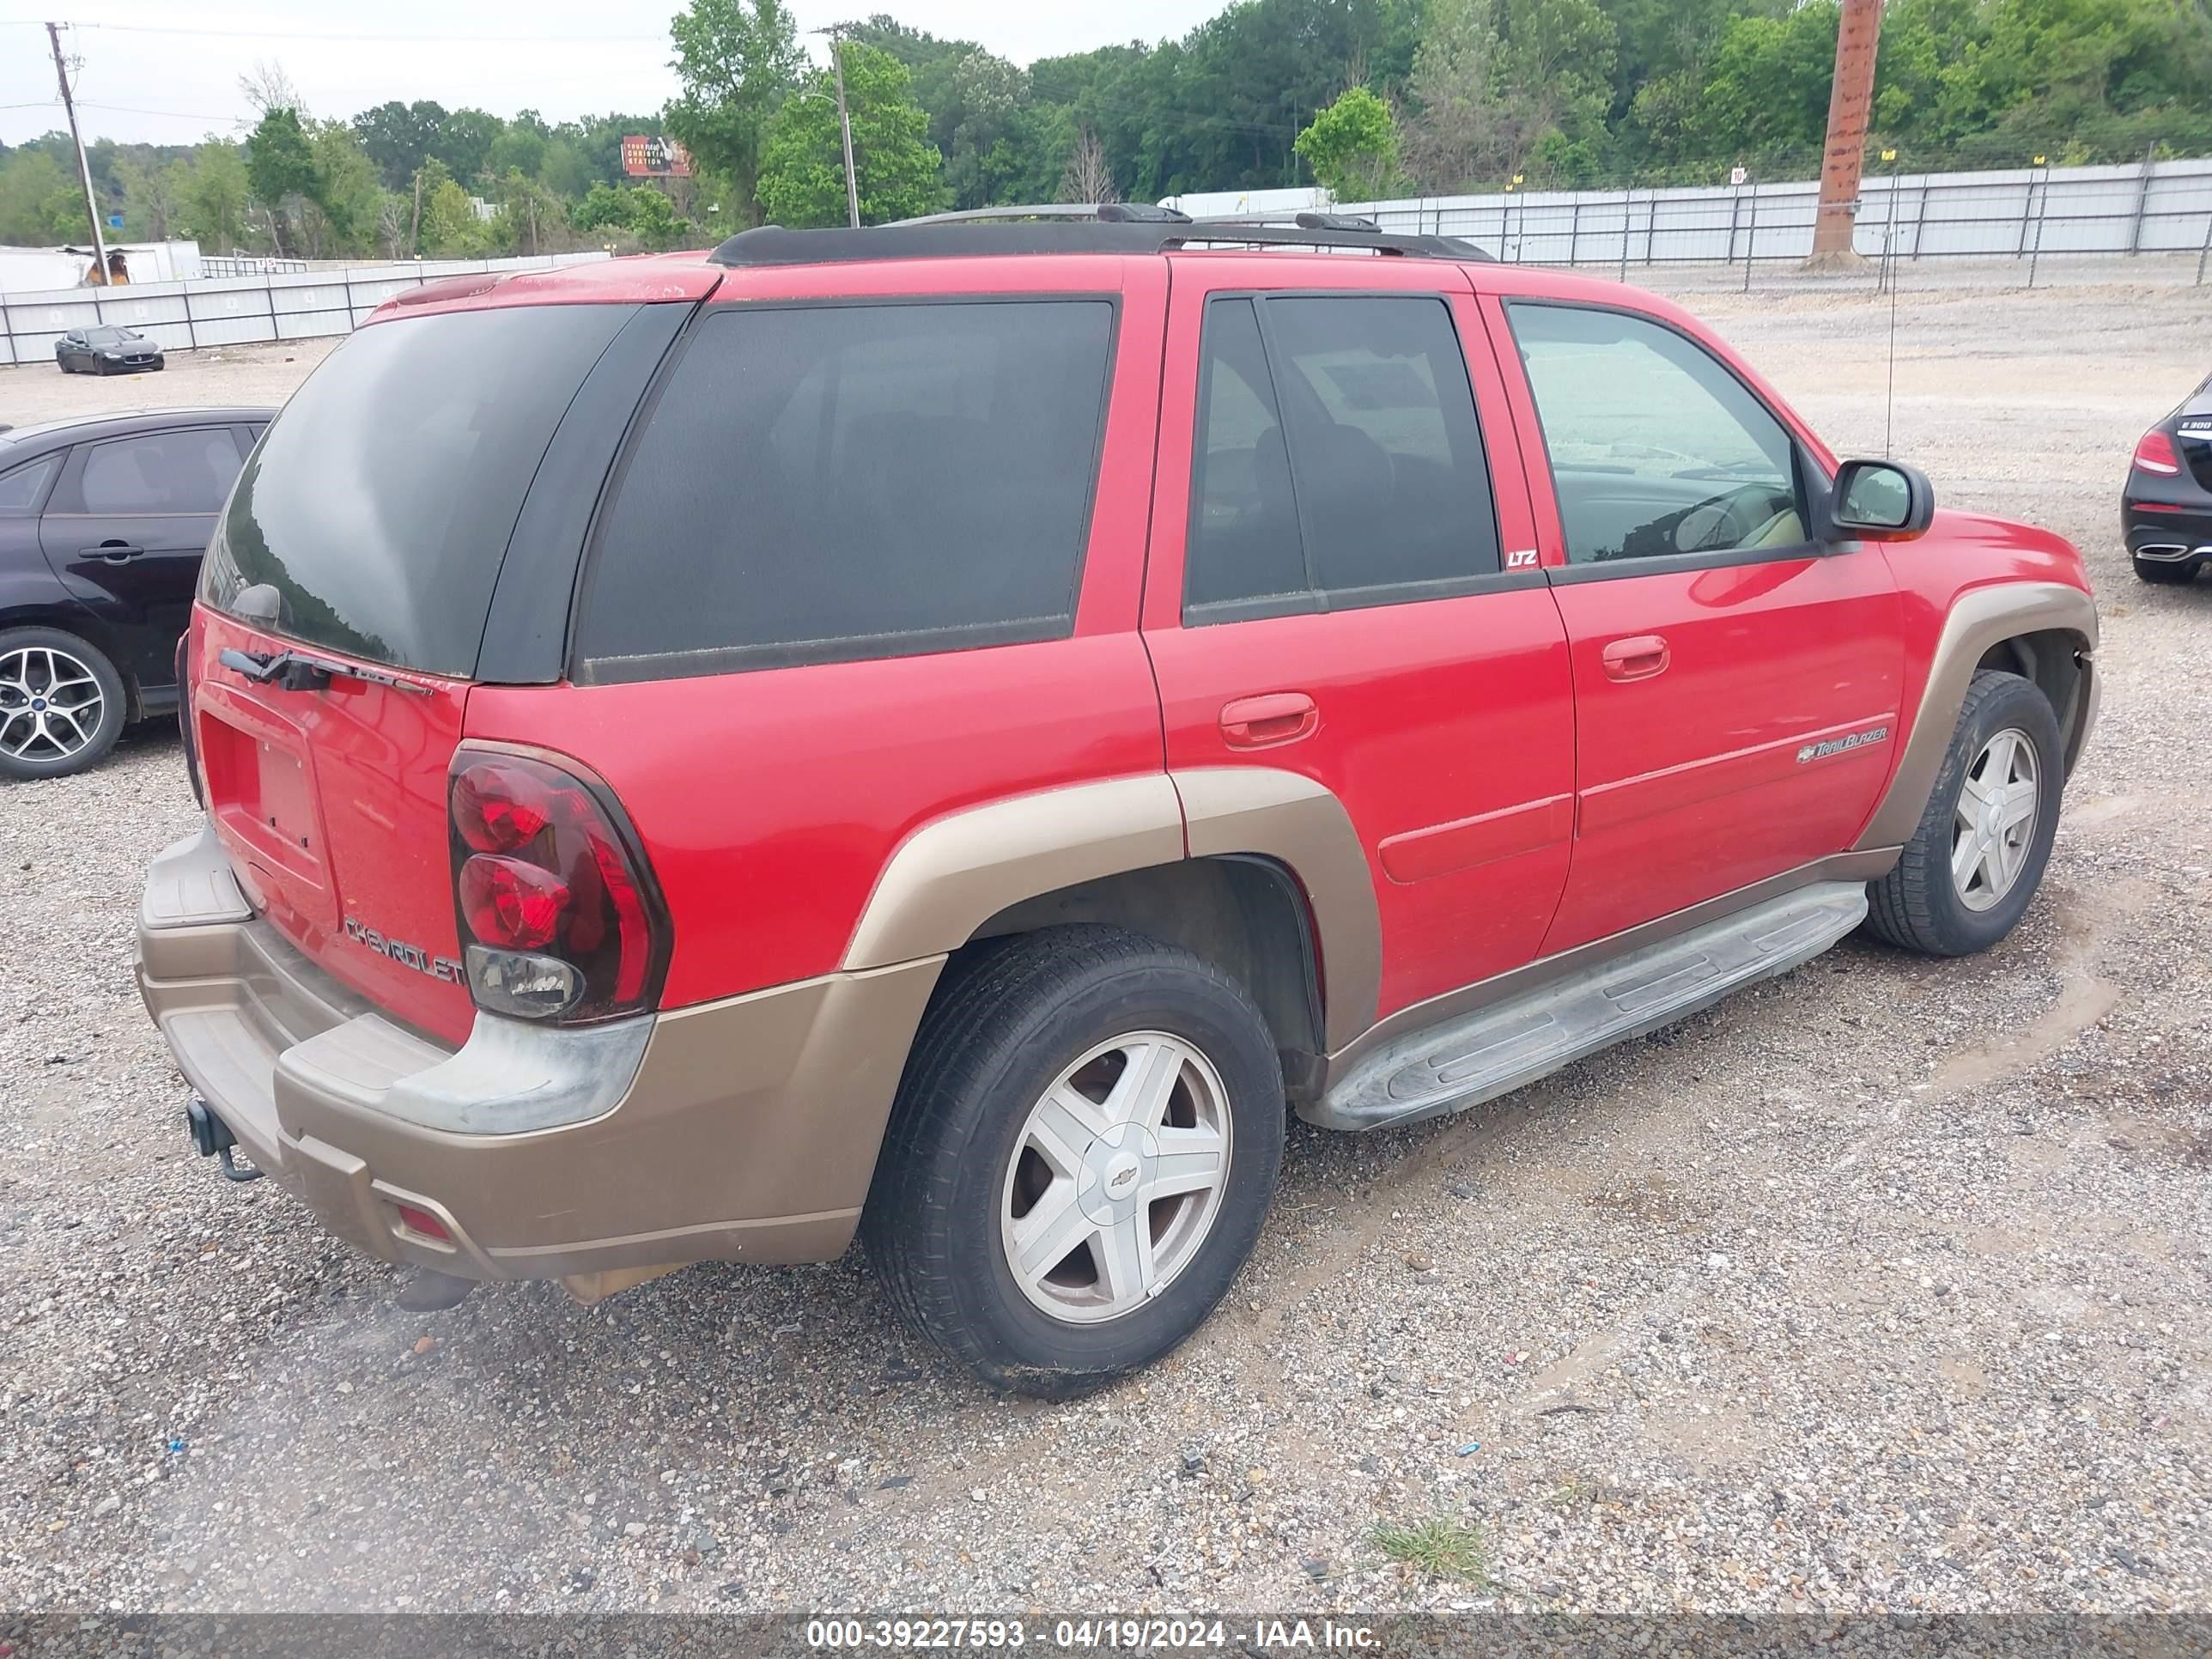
column 769, row 802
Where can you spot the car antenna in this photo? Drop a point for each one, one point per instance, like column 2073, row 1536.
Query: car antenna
column 1889, row 272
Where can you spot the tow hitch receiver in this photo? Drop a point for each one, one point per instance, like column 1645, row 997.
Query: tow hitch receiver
column 211, row 1138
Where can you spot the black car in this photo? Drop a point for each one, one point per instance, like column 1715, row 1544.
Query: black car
column 107, row 350
column 102, row 524
column 2166, row 511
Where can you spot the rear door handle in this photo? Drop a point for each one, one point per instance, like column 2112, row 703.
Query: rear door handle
column 114, row 551
column 1264, row 721
column 1638, row 658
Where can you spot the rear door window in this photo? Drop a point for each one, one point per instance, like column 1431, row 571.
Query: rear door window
column 380, row 502
column 161, row 474
column 1340, row 460
column 827, row 482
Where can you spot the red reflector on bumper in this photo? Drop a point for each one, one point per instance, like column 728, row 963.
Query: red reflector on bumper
column 423, row 1222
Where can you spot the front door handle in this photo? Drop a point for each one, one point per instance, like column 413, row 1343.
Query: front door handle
column 1638, row 658
column 1262, row 722
column 114, row 551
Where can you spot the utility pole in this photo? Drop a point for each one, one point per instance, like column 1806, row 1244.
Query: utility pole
column 844, row 124
column 83, row 168
column 1850, row 100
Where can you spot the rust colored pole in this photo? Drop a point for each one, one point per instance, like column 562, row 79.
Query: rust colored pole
column 1849, row 102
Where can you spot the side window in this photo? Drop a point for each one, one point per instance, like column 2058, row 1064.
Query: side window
column 22, row 486
column 1393, row 488
column 831, row 483
column 1656, row 447
column 181, row 472
column 1244, row 541
column 1340, row 461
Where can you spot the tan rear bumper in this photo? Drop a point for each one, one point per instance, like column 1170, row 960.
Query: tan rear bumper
column 741, row 1130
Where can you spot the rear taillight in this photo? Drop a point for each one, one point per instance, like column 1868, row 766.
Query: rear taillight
column 185, row 719
column 557, row 906
column 2156, row 454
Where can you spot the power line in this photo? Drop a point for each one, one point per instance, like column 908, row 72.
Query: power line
column 304, row 35
column 180, row 114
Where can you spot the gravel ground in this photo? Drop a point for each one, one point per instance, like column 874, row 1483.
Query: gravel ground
column 1882, row 1286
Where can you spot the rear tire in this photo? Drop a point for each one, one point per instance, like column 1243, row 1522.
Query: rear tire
column 1973, row 864
column 61, row 703
column 2161, row 573
column 1098, row 1112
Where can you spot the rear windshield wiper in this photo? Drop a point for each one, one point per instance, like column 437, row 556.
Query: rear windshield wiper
column 294, row 670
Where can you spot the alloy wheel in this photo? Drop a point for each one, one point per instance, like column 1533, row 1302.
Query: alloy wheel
column 1993, row 824
column 1116, row 1178
column 50, row 704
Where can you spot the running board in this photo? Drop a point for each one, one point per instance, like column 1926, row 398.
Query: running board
column 1510, row 1044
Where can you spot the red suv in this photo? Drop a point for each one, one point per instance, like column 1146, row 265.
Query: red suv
column 940, row 731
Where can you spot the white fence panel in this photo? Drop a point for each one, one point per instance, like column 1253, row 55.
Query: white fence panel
column 259, row 306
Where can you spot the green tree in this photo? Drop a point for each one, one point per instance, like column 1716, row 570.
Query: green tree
column 653, row 221
column 1352, row 146
column 802, row 178
column 464, row 142
column 521, row 146
column 399, row 138
column 562, row 168
column 280, row 168
column 1766, row 99
column 29, row 181
column 450, row 228
column 213, row 201
column 605, row 207
column 1507, row 85
column 347, row 193
column 737, row 60
column 152, row 194
column 531, row 218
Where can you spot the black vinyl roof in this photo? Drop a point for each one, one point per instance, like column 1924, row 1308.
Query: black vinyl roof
column 1110, row 228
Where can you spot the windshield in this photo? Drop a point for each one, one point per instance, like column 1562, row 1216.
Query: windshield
column 109, row 336
column 379, row 504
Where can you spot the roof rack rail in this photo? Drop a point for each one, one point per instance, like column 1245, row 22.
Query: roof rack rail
column 1104, row 213
column 1076, row 228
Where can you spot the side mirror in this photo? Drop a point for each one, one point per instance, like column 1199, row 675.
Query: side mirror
column 1880, row 501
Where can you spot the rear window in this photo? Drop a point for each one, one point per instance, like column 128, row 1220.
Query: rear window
column 818, row 483
column 380, row 504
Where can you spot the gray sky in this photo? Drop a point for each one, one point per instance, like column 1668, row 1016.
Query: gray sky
column 144, row 80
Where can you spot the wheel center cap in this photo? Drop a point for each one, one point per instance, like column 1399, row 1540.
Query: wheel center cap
column 1114, row 1172
column 38, row 704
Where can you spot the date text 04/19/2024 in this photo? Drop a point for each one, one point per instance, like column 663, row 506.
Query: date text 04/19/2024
column 1127, row 1634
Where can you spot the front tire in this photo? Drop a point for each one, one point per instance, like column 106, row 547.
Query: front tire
column 2162, row 573
column 1972, row 866
column 1080, row 1156
column 61, row 703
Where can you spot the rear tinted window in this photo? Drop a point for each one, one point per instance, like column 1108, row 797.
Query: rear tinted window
column 818, row 483
column 380, row 504
column 1340, row 463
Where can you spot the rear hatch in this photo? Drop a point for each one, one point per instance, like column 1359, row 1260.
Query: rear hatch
column 342, row 616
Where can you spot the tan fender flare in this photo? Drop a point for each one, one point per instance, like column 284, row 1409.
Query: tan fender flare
column 1979, row 619
column 953, row 874
column 1287, row 817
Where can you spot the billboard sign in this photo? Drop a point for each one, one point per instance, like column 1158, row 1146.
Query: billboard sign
column 654, row 157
